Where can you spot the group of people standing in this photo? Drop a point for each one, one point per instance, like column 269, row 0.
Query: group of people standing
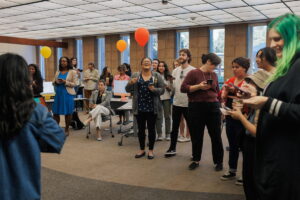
column 261, row 111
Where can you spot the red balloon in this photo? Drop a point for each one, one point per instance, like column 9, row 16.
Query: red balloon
column 141, row 35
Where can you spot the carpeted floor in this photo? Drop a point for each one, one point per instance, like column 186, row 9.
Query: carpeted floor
column 61, row 186
column 87, row 169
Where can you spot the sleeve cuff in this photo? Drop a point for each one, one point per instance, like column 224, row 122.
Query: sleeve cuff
column 273, row 106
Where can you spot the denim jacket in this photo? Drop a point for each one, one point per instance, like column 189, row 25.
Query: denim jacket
column 20, row 159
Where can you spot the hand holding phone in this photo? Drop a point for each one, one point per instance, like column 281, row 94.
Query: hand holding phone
column 243, row 93
column 209, row 81
column 151, row 86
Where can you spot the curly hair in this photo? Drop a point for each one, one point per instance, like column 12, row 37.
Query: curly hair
column 37, row 76
column 16, row 98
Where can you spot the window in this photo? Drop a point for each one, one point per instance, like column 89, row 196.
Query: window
column 256, row 40
column 217, row 42
column 79, row 53
column 182, row 41
column 125, row 55
column 101, row 53
column 58, row 55
column 42, row 63
column 152, row 46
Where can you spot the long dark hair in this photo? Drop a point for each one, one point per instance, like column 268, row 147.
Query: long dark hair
column 68, row 61
column 166, row 72
column 37, row 76
column 16, row 97
column 73, row 58
column 104, row 71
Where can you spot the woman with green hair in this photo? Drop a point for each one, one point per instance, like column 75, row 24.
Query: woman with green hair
column 277, row 166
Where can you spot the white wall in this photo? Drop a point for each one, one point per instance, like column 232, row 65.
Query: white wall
column 27, row 51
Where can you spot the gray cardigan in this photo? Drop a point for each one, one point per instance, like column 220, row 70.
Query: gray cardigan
column 159, row 90
column 106, row 96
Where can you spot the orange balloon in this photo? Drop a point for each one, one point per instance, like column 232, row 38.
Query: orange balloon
column 141, row 35
column 121, row 45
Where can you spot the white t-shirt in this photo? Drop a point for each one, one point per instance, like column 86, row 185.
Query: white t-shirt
column 180, row 99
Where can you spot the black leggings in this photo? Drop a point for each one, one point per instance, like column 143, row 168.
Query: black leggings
column 150, row 118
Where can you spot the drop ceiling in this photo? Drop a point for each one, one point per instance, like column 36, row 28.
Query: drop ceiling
column 40, row 19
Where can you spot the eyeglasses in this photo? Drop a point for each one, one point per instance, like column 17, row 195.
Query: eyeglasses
column 181, row 75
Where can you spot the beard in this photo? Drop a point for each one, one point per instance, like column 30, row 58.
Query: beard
column 183, row 61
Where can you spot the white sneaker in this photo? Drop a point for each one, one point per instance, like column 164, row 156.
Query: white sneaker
column 180, row 139
column 160, row 138
column 187, row 139
column 99, row 139
column 168, row 138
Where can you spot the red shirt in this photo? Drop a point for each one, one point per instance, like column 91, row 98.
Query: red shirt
column 195, row 77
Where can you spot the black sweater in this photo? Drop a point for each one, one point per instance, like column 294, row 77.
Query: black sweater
column 278, row 139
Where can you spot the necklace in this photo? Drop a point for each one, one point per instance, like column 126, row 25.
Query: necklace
column 204, row 76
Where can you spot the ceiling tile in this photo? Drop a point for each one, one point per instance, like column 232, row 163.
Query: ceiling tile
column 293, row 4
column 91, row 15
column 143, row 2
column 186, row 2
column 279, row 11
column 116, row 4
column 201, row 7
column 270, row 6
column 112, row 12
column 239, row 10
column 158, row 6
column 257, row 2
column 150, row 14
column 172, row 11
column 92, row 7
column 224, row 16
column 134, row 9
column 228, row 4
column 69, row 2
column 70, row 10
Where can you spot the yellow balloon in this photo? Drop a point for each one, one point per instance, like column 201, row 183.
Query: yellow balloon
column 46, row 52
column 121, row 45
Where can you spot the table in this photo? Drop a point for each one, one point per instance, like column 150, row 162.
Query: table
column 49, row 102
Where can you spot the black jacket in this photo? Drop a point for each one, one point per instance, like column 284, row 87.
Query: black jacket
column 277, row 167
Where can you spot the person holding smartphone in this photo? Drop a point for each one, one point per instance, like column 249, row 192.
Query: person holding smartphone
column 202, row 88
column 234, row 128
column 146, row 87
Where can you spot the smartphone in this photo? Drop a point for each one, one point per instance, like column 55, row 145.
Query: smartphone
column 226, row 108
column 209, row 81
column 244, row 93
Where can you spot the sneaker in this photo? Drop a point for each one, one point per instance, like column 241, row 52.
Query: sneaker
column 126, row 122
column 119, row 122
column 219, row 167
column 239, row 181
column 99, row 139
column 193, row 165
column 187, row 139
column 170, row 153
column 228, row 176
column 181, row 139
column 168, row 138
column 160, row 138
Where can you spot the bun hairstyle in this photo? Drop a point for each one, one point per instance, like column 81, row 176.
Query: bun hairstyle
column 243, row 62
column 268, row 54
column 213, row 58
